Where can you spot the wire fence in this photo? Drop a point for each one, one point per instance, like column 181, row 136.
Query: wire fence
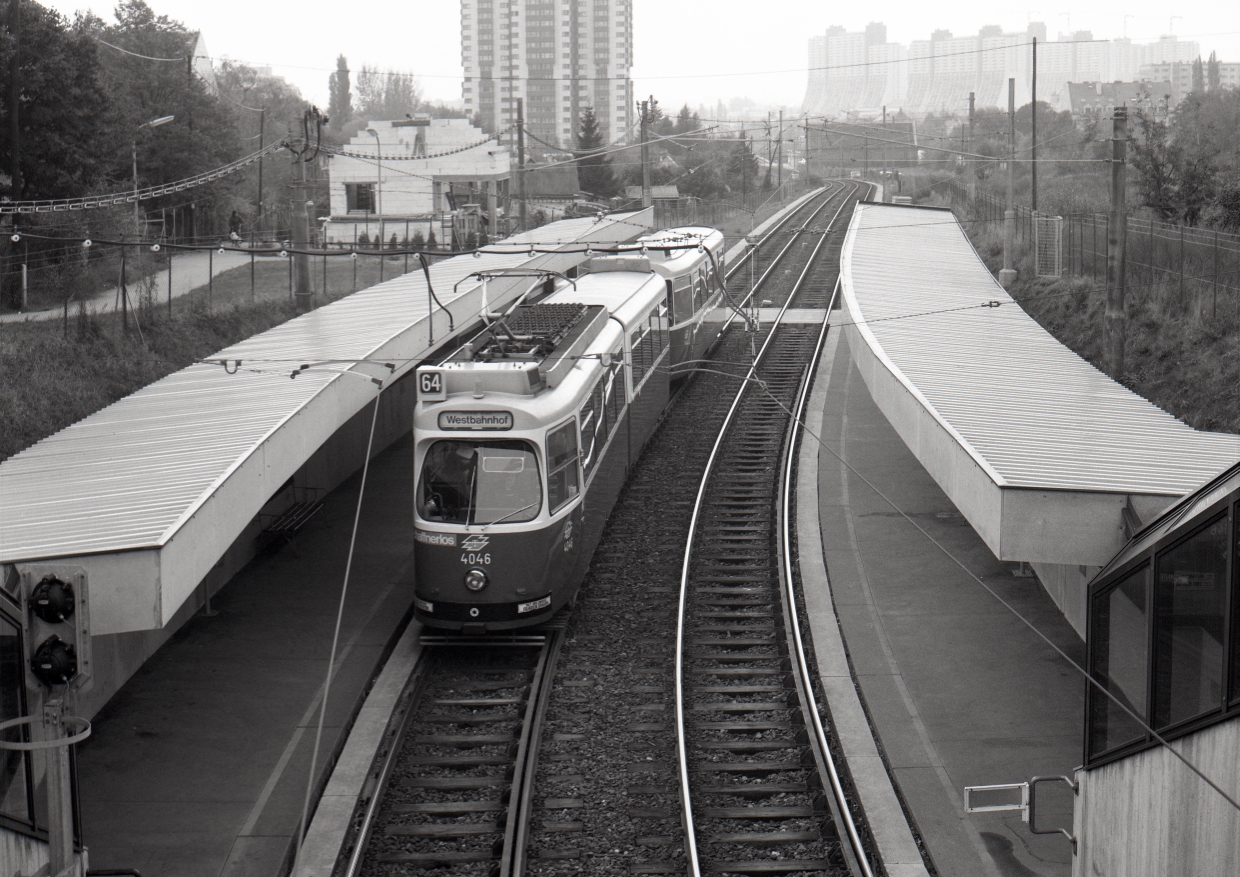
column 1178, row 270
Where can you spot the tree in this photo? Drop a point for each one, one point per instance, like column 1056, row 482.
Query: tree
column 594, row 173
column 743, row 165
column 245, row 90
column 1199, row 76
column 386, row 94
column 203, row 134
column 61, row 106
column 1214, row 73
column 687, row 121
column 340, row 106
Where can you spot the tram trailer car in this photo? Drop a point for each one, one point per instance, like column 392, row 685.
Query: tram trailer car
column 693, row 288
column 523, row 438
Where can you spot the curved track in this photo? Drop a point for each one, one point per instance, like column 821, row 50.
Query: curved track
column 760, row 792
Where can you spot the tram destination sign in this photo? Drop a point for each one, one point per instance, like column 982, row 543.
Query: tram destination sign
column 475, row 420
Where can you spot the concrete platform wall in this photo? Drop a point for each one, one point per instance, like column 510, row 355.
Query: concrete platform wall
column 118, row 656
column 1149, row 816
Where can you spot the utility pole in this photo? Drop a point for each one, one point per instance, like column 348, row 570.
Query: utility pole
column 262, row 128
column 971, row 175
column 807, row 166
column 1117, row 238
column 647, row 199
column 9, row 223
column 1033, row 129
column 1008, row 274
column 779, row 147
column 521, row 161
column 301, row 238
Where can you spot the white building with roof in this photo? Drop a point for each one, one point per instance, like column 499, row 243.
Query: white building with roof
column 395, row 178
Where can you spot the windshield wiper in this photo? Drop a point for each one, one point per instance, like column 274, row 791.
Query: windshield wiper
column 538, row 502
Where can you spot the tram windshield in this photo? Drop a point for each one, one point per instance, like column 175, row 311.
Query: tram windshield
column 468, row 482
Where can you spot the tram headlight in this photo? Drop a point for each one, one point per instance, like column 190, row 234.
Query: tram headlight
column 475, row 580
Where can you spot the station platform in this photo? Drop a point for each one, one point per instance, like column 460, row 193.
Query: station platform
column 197, row 767
column 957, row 689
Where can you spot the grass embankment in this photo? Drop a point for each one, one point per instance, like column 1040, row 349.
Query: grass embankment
column 58, row 372
column 1183, row 357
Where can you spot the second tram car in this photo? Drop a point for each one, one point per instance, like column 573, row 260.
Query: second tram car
column 525, row 433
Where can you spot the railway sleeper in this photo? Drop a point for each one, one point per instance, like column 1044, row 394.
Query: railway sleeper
column 769, row 866
column 767, row 837
column 755, row 790
column 760, row 811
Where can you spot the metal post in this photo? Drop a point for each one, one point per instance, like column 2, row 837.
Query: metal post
column 521, row 160
column 301, row 239
column 647, row 199
column 1214, row 292
column 170, row 283
column 124, row 294
column 210, row 277
column 59, row 791
column 251, row 276
column 1117, row 227
column 1008, row 274
column 1181, row 265
column 1033, row 129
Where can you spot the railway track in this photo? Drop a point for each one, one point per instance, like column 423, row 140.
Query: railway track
column 557, row 752
column 760, row 793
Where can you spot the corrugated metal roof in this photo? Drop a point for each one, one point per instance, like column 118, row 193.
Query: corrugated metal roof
column 129, row 476
column 1031, row 412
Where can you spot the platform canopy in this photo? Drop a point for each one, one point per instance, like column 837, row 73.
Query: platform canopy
column 1039, row 450
column 148, row 494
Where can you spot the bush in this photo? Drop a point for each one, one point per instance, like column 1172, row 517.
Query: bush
column 431, row 243
column 363, row 240
column 417, row 242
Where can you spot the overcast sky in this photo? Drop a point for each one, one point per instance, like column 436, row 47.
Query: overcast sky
column 685, row 51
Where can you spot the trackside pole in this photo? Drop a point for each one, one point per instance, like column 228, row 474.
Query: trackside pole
column 1008, row 275
column 1117, row 235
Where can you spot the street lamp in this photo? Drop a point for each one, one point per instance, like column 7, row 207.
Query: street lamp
column 379, row 186
column 153, row 123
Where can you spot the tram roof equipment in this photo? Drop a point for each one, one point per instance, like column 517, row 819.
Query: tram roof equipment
column 149, row 493
column 1038, row 449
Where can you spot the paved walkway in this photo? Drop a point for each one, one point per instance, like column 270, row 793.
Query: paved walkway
column 960, row 691
column 197, row 767
column 189, row 272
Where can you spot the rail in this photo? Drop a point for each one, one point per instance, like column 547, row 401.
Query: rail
column 691, row 849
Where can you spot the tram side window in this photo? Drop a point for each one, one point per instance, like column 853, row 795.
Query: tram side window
column 658, row 322
column 615, row 392
column 1190, row 599
column 594, row 425
column 1119, row 660
column 562, row 465
column 699, row 291
column 15, row 791
column 684, row 299
column 640, row 352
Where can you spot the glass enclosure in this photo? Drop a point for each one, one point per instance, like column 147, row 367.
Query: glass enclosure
column 1120, row 658
column 15, row 790
column 1190, row 598
column 480, row 482
column 1164, row 627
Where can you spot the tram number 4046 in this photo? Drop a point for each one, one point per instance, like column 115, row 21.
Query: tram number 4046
column 476, row 559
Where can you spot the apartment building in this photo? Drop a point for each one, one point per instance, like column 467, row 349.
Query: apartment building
column 559, row 56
